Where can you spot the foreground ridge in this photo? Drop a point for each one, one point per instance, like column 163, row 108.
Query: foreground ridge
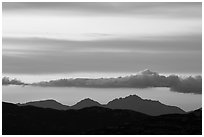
column 30, row 120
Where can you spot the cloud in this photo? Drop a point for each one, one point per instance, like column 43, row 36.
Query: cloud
column 52, row 56
column 134, row 36
column 8, row 81
column 143, row 79
column 82, row 28
column 172, row 9
column 188, row 85
column 171, row 44
column 115, row 20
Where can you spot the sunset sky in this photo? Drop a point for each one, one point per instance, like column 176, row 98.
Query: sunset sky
column 50, row 40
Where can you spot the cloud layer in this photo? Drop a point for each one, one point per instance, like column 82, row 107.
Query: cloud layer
column 8, row 81
column 188, row 9
column 144, row 79
column 98, row 21
column 63, row 38
column 51, row 56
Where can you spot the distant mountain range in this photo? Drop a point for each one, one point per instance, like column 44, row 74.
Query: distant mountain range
column 46, row 104
column 30, row 120
column 138, row 104
column 85, row 103
column 132, row 102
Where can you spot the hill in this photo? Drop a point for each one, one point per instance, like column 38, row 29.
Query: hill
column 85, row 103
column 150, row 107
column 46, row 104
column 30, row 120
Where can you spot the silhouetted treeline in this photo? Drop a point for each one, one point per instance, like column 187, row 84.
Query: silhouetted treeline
column 145, row 79
column 8, row 81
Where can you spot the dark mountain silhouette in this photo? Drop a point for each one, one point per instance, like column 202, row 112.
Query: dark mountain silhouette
column 132, row 102
column 30, row 120
column 85, row 103
column 143, row 79
column 149, row 107
column 46, row 104
column 197, row 112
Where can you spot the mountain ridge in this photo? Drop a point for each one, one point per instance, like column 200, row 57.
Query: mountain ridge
column 87, row 102
column 31, row 120
column 48, row 103
column 131, row 102
column 151, row 107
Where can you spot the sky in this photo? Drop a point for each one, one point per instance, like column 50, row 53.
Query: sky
column 51, row 40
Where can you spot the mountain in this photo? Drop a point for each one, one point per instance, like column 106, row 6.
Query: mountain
column 147, row 72
column 197, row 112
column 134, row 102
column 46, row 104
column 30, row 120
column 85, row 103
